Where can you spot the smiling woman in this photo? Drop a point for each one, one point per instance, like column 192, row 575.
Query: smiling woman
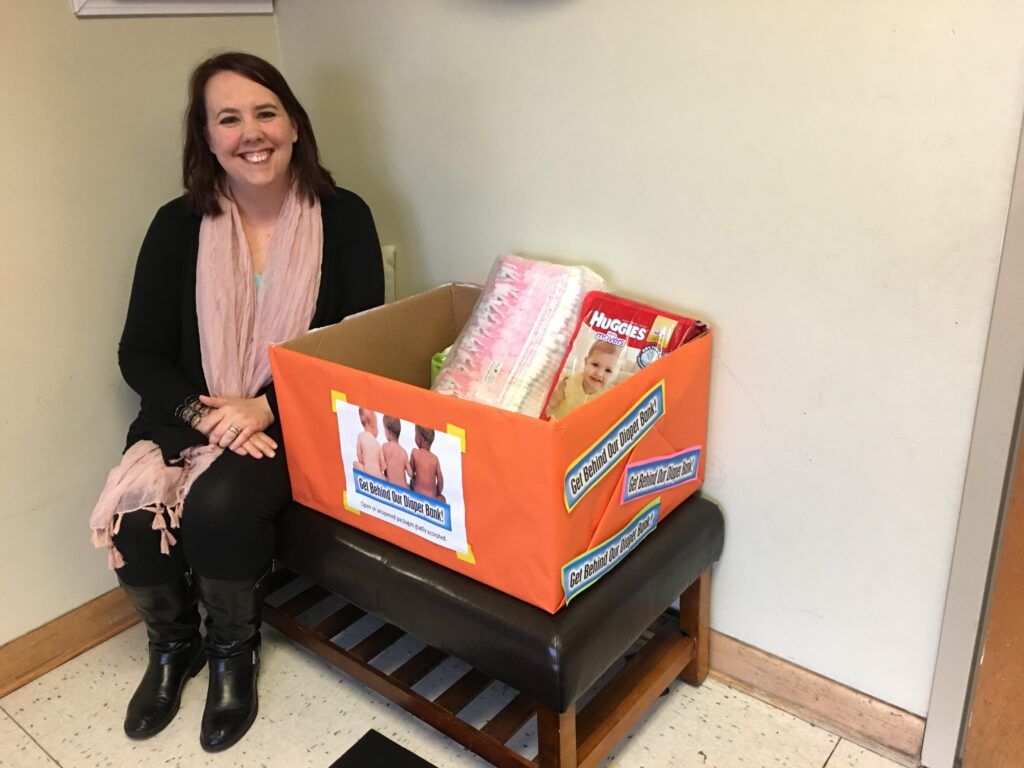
column 250, row 134
column 260, row 248
column 237, row 104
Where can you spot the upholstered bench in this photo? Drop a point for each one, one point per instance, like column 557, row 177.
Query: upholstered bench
column 552, row 660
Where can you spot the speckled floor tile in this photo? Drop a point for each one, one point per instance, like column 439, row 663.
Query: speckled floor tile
column 75, row 696
column 310, row 714
column 715, row 726
column 17, row 750
column 329, row 711
column 849, row 755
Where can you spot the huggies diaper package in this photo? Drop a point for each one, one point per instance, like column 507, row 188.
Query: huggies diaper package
column 512, row 347
column 614, row 339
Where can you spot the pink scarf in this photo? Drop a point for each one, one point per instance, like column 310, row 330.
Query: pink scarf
column 236, row 327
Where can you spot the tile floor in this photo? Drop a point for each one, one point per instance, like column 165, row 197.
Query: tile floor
column 310, row 714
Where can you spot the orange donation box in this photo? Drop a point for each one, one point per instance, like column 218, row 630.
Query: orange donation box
column 538, row 509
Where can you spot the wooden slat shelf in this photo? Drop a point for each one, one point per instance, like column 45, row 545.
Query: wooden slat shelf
column 513, row 716
column 339, row 621
column 463, row 691
column 418, row 667
column 280, row 578
column 305, row 600
column 376, row 643
column 564, row 740
column 609, row 716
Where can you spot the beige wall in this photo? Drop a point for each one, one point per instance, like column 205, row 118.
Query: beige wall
column 826, row 182
column 89, row 148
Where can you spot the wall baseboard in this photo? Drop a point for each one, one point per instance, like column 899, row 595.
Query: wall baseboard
column 25, row 658
column 878, row 726
column 873, row 724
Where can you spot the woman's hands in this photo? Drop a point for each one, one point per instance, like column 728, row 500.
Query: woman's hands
column 249, row 415
column 258, row 445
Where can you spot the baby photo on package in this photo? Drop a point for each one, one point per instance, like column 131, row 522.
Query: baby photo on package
column 614, row 338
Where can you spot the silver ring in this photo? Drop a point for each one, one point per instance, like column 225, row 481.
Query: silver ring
column 234, row 429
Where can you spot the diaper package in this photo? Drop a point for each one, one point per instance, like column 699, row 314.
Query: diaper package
column 512, row 347
column 614, row 339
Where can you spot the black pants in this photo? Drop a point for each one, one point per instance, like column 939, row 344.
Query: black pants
column 227, row 523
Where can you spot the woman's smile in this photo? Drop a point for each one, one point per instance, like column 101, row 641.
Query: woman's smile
column 258, row 157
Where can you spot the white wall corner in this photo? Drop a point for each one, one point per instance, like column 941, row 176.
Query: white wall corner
column 989, row 471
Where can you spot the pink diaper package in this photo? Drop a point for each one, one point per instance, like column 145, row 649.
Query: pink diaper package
column 511, row 348
column 615, row 338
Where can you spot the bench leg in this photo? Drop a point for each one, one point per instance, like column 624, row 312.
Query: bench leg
column 694, row 614
column 556, row 738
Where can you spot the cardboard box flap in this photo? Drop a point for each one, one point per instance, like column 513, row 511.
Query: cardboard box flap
column 306, row 344
column 397, row 340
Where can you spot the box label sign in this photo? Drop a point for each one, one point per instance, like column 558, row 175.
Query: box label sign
column 404, row 474
column 586, row 569
column 614, row 446
column 404, row 500
column 649, row 476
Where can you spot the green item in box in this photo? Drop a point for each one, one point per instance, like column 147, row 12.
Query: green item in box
column 436, row 362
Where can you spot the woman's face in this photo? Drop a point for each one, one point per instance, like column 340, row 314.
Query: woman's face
column 249, row 132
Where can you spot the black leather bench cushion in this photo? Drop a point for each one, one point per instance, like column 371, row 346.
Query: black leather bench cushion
column 553, row 658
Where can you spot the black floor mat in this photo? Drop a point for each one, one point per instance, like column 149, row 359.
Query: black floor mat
column 375, row 750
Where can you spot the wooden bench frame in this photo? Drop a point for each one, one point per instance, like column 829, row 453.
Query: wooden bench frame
column 674, row 647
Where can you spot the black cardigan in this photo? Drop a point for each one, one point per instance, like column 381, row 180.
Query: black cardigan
column 159, row 351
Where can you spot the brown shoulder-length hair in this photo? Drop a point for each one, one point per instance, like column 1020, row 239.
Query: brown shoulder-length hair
column 203, row 175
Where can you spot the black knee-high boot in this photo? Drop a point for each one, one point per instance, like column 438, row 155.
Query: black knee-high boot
column 233, row 616
column 175, row 653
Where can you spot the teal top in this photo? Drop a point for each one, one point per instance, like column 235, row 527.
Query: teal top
column 257, row 277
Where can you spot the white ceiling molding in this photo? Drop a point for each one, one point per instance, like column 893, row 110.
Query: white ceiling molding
column 83, row 8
